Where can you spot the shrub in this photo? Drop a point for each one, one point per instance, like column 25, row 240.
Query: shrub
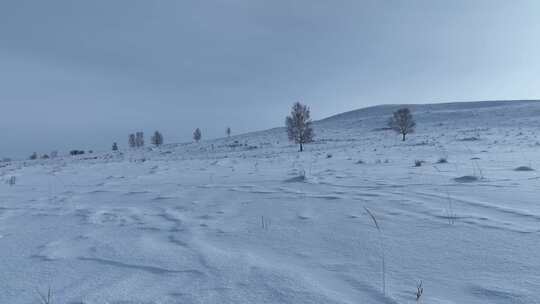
column 442, row 160
column 523, row 168
column 466, row 179
column 76, row 152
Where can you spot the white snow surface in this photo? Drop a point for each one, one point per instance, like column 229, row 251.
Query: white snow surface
column 249, row 219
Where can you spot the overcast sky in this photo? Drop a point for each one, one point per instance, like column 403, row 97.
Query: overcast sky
column 82, row 74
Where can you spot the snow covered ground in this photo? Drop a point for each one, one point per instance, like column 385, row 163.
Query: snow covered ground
column 250, row 220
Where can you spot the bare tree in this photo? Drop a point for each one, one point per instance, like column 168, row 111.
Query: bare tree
column 115, row 147
column 139, row 139
column 298, row 125
column 197, row 135
column 402, row 122
column 157, row 139
column 228, row 131
column 132, row 142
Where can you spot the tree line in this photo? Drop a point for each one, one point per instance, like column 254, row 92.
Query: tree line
column 298, row 123
column 136, row 140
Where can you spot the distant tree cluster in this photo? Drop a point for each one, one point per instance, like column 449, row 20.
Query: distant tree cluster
column 35, row 155
column 136, row 140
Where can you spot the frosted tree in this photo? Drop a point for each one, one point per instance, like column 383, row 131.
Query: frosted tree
column 132, row 142
column 114, row 147
column 157, row 139
column 298, row 124
column 197, row 135
column 139, row 139
column 402, row 122
column 228, row 132
column 33, row 156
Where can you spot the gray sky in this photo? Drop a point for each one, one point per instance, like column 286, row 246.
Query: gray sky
column 82, row 74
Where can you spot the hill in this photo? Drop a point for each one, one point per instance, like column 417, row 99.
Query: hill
column 248, row 219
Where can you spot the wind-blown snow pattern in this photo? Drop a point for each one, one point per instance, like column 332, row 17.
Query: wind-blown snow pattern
column 249, row 219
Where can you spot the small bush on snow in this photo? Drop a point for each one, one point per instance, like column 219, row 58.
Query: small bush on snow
column 442, row 160
column 523, row 168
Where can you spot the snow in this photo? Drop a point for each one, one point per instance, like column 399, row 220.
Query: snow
column 248, row 219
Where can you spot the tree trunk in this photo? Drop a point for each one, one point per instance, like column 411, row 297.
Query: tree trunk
column 403, row 139
column 301, row 147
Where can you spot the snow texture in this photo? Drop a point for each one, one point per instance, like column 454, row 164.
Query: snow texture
column 249, row 219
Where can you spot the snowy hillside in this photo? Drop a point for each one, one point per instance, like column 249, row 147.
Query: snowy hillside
column 248, row 219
